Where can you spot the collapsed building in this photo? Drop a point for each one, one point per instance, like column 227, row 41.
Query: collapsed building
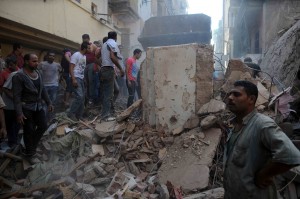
column 175, row 151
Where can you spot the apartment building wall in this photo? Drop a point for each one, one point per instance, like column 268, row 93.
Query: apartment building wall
column 51, row 24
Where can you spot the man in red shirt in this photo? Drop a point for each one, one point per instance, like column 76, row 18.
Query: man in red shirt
column 10, row 67
column 131, row 74
column 17, row 52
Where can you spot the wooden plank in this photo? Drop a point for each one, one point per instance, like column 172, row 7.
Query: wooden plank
column 7, row 161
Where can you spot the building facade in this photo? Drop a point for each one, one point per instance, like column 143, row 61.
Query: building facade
column 45, row 25
column 252, row 26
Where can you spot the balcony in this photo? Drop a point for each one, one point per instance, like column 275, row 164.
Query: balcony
column 125, row 10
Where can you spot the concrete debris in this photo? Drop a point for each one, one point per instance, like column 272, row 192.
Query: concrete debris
column 213, row 106
column 125, row 114
column 208, row 122
column 192, row 122
column 178, row 130
column 190, row 164
column 217, row 193
column 130, row 158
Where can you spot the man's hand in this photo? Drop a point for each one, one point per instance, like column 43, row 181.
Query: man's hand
column 262, row 181
column 74, row 83
column 122, row 73
column 21, row 118
column 129, row 83
column 50, row 108
column 3, row 133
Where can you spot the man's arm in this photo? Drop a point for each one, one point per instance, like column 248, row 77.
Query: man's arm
column 264, row 177
column 67, row 57
column 71, row 69
column 127, row 72
column 283, row 152
column 3, row 132
column 115, row 60
column 17, row 98
column 8, row 92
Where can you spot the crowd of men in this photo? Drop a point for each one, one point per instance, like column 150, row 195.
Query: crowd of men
column 29, row 89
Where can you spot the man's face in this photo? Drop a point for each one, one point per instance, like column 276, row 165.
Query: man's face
column 20, row 50
column 86, row 40
column 238, row 101
column 88, row 50
column 51, row 57
column 139, row 55
column 13, row 66
column 33, row 62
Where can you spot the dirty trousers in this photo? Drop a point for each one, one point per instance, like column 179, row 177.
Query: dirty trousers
column 34, row 127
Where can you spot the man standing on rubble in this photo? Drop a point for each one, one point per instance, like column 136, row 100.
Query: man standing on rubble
column 77, row 67
column 28, row 93
column 131, row 75
column 110, row 55
column 256, row 150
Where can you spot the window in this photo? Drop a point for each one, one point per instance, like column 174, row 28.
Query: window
column 94, row 9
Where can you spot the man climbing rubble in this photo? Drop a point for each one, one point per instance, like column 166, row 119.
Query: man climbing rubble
column 256, row 151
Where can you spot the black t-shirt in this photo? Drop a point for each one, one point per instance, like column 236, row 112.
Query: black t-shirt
column 65, row 64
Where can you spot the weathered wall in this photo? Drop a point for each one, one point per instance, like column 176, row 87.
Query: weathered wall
column 176, row 81
column 283, row 58
column 278, row 15
column 65, row 18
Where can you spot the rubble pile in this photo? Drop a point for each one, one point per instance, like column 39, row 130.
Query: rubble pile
column 127, row 158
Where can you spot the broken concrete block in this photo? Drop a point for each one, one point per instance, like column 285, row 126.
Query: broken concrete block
column 90, row 135
column 109, row 161
column 110, row 168
column 133, row 168
column 213, row 106
column 105, row 129
column 162, row 153
column 99, row 170
column 131, row 195
column 141, row 186
column 263, row 95
column 217, row 193
column 89, row 175
column 130, row 127
column 178, row 130
column 100, row 181
column 88, row 189
column 37, row 194
column 154, row 196
column 208, row 122
column 125, row 114
column 168, row 101
column 97, row 148
column 168, row 140
column 192, row 122
column 191, row 172
column 235, row 71
column 142, row 176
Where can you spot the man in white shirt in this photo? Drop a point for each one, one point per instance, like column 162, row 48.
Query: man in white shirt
column 110, row 58
column 77, row 66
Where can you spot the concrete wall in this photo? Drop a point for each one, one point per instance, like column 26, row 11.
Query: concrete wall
column 64, row 18
column 278, row 15
column 176, row 81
